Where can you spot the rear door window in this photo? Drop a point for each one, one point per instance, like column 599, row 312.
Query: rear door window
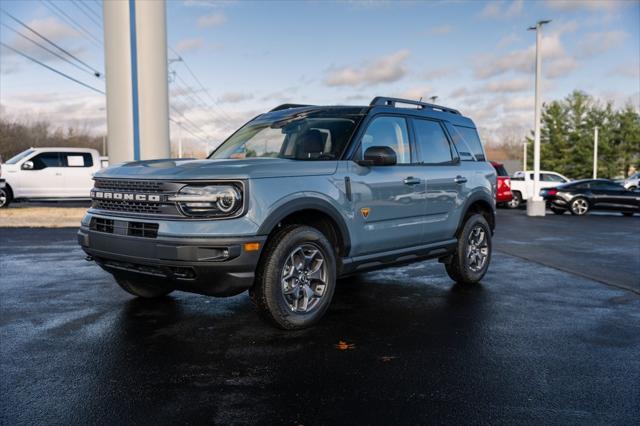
column 433, row 145
column 77, row 159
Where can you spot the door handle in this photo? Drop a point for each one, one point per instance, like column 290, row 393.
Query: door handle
column 58, row 174
column 460, row 179
column 411, row 181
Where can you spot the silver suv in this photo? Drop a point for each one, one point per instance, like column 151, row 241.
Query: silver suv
column 295, row 199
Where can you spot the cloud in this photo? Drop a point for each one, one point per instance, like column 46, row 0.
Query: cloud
column 590, row 5
column 600, row 42
column 502, row 10
column 385, row 69
column 508, row 40
column 212, row 21
column 190, row 44
column 554, row 55
column 629, row 70
column 460, row 92
column 507, row 86
column 437, row 73
column 234, row 97
column 442, row 29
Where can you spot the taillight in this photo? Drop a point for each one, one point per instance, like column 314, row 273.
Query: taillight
column 552, row 191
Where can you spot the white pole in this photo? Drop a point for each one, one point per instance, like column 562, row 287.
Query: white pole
column 524, row 157
column 179, row 139
column 104, row 145
column 595, row 152
column 535, row 204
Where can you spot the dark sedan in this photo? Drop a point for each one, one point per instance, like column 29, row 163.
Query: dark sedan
column 581, row 196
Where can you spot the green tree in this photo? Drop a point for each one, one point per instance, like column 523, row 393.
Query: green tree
column 626, row 139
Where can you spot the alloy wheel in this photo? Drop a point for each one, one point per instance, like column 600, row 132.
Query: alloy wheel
column 3, row 197
column 580, row 206
column 304, row 278
column 477, row 248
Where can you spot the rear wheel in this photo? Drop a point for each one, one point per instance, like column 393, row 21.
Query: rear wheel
column 516, row 201
column 5, row 197
column 296, row 279
column 579, row 206
column 145, row 288
column 473, row 253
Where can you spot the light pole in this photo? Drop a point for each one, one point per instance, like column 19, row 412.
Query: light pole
column 535, row 204
column 524, row 157
column 595, row 152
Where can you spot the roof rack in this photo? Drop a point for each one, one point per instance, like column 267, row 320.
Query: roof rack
column 384, row 101
column 288, row 106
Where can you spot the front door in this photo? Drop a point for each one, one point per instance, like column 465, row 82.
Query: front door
column 389, row 201
column 45, row 179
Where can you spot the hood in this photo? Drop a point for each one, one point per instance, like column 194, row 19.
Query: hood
column 180, row 169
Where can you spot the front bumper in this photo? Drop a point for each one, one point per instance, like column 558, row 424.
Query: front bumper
column 211, row 266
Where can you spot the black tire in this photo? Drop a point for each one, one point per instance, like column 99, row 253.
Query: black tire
column 627, row 214
column 148, row 288
column 557, row 210
column 632, row 188
column 5, row 197
column 516, row 201
column 579, row 206
column 268, row 291
column 459, row 268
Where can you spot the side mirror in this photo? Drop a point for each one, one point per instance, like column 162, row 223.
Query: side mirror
column 379, row 156
column 27, row 165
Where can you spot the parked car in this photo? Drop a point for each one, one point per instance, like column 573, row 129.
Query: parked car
column 522, row 185
column 49, row 173
column 632, row 182
column 296, row 198
column 582, row 196
column 503, row 192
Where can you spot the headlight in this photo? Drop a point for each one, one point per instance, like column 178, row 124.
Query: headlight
column 223, row 200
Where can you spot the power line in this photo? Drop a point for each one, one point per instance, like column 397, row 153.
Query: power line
column 88, row 12
column 191, row 123
column 97, row 42
column 51, row 68
column 92, row 69
column 188, row 130
column 47, row 49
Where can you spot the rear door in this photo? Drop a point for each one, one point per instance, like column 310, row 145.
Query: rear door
column 389, row 201
column 440, row 166
column 45, row 179
column 77, row 172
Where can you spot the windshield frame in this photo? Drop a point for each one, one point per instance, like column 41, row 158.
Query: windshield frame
column 347, row 112
column 20, row 156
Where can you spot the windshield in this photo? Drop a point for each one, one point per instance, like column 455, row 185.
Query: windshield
column 319, row 136
column 16, row 158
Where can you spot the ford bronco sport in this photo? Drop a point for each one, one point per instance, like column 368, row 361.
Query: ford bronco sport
column 293, row 200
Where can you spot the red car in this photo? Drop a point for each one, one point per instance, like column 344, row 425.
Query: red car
column 503, row 194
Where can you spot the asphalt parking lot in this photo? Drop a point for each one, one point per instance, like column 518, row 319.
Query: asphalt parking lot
column 552, row 335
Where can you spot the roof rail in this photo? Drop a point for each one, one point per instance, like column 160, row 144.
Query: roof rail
column 384, row 101
column 288, row 106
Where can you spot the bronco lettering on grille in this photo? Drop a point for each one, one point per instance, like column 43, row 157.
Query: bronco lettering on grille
column 102, row 195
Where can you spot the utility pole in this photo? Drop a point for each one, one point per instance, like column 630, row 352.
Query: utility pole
column 179, row 139
column 535, row 204
column 524, row 157
column 104, row 145
column 595, row 152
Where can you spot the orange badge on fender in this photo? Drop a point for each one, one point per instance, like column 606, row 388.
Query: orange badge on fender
column 365, row 212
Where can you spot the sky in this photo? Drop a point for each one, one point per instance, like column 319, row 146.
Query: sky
column 249, row 56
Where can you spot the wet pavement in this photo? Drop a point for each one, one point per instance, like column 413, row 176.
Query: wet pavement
column 531, row 344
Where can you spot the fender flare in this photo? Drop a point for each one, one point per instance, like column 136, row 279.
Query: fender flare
column 307, row 203
column 479, row 196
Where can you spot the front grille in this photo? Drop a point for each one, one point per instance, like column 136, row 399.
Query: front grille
column 143, row 229
column 129, row 185
column 123, row 227
column 145, row 197
column 127, row 206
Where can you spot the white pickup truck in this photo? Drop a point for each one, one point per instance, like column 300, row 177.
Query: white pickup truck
column 522, row 185
column 49, row 173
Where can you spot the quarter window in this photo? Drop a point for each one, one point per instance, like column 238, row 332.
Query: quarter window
column 432, row 142
column 470, row 136
column 391, row 132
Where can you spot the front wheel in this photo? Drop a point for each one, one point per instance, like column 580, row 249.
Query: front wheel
column 145, row 288
column 473, row 253
column 296, row 279
column 5, row 198
column 579, row 207
column 516, row 201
